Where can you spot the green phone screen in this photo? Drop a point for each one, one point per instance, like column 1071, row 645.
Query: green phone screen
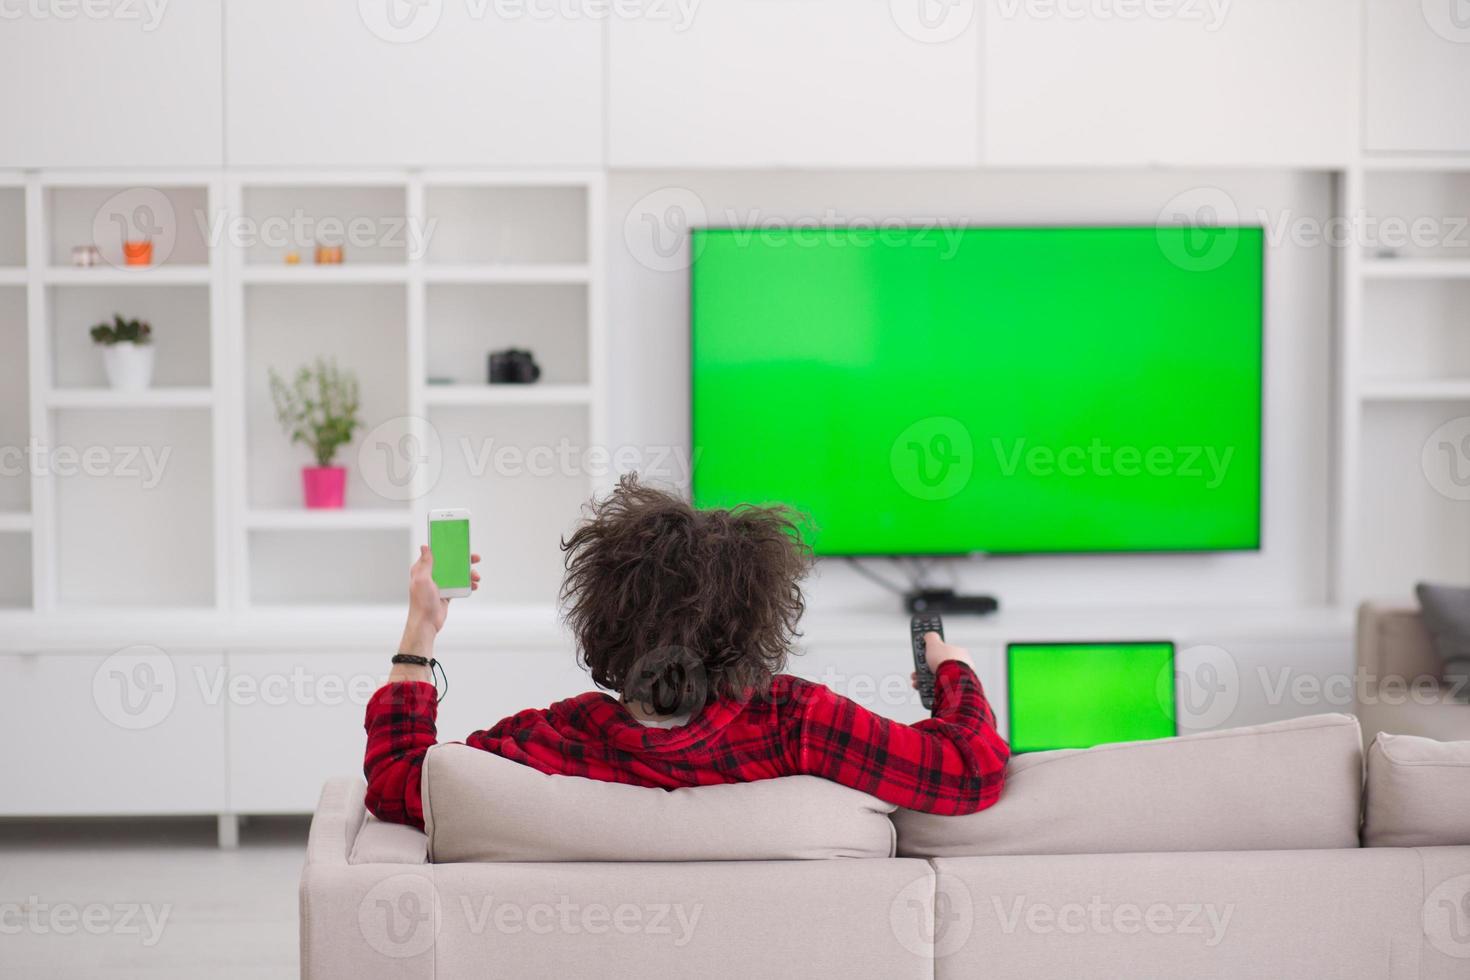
column 1076, row 695
column 450, row 543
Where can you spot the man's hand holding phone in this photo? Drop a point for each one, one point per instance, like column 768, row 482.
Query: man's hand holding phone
column 427, row 610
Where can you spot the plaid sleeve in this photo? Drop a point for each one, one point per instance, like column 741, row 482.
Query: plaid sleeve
column 952, row 763
column 400, row 731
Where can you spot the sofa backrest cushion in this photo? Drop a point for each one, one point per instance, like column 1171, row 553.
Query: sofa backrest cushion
column 1418, row 793
column 480, row 807
column 1291, row 785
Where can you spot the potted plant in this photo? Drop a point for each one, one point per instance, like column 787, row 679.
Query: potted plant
column 319, row 409
column 127, row 352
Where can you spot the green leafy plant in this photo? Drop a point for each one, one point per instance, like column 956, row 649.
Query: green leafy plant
column 318, row 408
column 121, row 331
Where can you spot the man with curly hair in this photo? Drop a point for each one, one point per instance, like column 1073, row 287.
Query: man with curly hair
column 688, row 616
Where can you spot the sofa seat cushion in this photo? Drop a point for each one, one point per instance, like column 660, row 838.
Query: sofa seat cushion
column 1291, row 785
column 480, row 807
column 1418, row 793
column 380, row 842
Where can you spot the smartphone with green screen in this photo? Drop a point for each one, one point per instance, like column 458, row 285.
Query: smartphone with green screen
column 449, row 540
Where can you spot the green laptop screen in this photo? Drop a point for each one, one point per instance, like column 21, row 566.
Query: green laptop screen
column 1075, row 695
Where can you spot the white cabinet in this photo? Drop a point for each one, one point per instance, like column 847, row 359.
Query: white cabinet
column 402, row 84
column 139, row 730
column 1418, row 75
column 296, row 718
column 1209, row 82
column 110, row 85
column 820, row 83
column 295, row 721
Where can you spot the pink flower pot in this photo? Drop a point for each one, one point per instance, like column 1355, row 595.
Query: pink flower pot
column 325, row 486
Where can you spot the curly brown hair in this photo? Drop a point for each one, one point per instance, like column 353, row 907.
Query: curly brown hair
column 671, row 605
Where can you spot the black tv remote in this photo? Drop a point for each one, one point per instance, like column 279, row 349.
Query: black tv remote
column 924, row 623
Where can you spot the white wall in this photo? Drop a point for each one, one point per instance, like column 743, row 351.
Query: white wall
column 1416, row 79
column 1233, row 82
column 123, row 85
column 648, row 297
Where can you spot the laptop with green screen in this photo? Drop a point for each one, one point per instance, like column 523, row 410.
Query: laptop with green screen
column 1076, row 695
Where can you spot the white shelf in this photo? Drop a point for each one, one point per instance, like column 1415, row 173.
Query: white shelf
column 108, row 398
column 106, row 275
column 532, row 394
column 14, row 523
column 345, row 519
column 1426, row 390
column 1417, row 268
column 508, row 274
column 1448, row 163
column 12, row 276
column 306, row 273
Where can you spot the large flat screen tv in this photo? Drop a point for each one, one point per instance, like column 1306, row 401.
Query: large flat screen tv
column 996, row 390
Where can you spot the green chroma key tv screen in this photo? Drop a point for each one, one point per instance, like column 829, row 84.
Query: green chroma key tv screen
column 1000, row 390
column 1076, row 695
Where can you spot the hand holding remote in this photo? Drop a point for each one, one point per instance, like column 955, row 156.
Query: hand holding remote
column 926, row 633
column 936, row 652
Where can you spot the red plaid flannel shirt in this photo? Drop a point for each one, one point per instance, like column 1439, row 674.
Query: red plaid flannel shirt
column 952, row 763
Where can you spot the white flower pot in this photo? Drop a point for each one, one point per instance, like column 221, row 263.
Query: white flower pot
column 129, row 366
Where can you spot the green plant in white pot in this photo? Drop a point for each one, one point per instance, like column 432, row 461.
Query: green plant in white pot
column 127, row 352
column 319, row 409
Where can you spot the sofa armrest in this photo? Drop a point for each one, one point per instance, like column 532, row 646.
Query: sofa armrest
column 1393, row 645
column 361, row 921
column 340, row 812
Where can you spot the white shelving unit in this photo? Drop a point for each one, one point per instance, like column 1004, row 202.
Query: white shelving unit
column 444, row 268
column 1403, row 472
column 123, row 509
column 455, row 264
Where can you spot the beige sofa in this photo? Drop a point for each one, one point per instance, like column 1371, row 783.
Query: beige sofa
column 1226, row 854
column 1397, row 687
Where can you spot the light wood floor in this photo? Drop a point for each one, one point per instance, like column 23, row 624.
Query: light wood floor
column 154, row 899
